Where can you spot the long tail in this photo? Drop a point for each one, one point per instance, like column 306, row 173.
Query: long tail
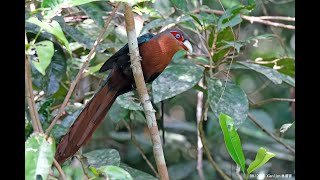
column 91, row 116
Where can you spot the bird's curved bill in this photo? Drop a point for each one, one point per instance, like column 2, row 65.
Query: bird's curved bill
column 188, row 46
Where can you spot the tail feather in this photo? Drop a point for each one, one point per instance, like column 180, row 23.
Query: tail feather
column 90, row 118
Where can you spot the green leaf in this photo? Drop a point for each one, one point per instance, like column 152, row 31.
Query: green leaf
column 44, row 111
column 77, row 35
column 45, row 52
column 262, row 157
column 114, row 172
column 64, row 3
column 129, row 101
column 284, row 65
column 39, row 154
column 232, row 140
column 272, row 74
column 54, row 73
column 103, row 157
column 117, row 113
column 230, row 17
column 180, row 4
column 233, row 102
column 52, row 28
column 94, row 11
column 163, row 22
column 175, row 80
column 196, row 19
column 137, row 174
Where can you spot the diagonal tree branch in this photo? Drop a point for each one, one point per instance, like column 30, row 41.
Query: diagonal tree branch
column 143, row 93
column 255, row 19
column 84, row 66
column 270, row 134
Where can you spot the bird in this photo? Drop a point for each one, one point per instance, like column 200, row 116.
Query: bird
column 156, row 52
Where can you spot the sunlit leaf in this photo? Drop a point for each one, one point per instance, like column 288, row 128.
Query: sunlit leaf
column 45, row 52
column 232, row 140
column 163, row 22
column 285, row 127
column 52, row 28
column 39, row 154
column 262, row 157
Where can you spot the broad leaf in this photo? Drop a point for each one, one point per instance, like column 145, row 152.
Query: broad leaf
column 175, row 80
column 114, row 172
column 103, row 157
column 129, row 101
column 137, row 174
column 45, row 52
column 272, row 74
column 262, row 157
column 52, row 28
column 64, row 3
column 232, row 140
column 39, row 154
column 229, row 99
column 163, row 22
column 94, row 11
column 230, row 18
column 180, row 4
column 54, row 73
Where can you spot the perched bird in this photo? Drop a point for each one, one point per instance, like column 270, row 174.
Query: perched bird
column 156, row 52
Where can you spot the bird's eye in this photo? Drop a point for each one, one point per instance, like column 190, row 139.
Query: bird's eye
column 177, row 36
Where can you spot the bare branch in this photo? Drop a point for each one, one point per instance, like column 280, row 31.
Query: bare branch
column 271, row 135
column 256, row 19
column 57, row 165
column 143, row 94
column 84, row 66
column 29, row 95
column 199, row 142
column 263, row 102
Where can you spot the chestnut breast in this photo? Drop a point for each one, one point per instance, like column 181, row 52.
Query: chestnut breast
column 157, row 54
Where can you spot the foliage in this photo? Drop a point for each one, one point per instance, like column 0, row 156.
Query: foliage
column 238, row 63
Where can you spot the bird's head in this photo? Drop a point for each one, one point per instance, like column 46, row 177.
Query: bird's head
column 182, row 38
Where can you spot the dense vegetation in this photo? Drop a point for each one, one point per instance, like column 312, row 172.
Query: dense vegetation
column 237, row 85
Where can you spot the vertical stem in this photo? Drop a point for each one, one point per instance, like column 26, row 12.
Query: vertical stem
column 29, row 95
column 199, row 143
column 143, row 93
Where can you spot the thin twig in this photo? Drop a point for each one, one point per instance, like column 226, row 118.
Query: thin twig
column 207, row 151
column 57, row 165
column 207, row 51
column 263, row 102
column 135, row 143
column 32, row 106
column 238, row 172
column 253, row 19
column 143, row 94
column 270, row 134
column 29, row 95
column 281, row 18
column 199, row 143
column 84, row 66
